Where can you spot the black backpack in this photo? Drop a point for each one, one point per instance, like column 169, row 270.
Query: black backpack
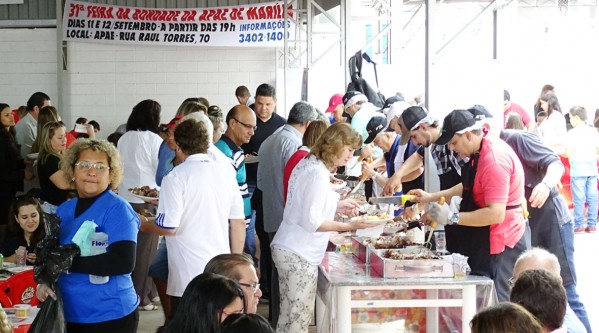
column 358, row 83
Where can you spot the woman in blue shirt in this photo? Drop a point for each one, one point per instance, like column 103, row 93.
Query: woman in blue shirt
column 94, row 167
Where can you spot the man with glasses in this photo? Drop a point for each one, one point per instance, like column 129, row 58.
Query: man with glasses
column 238, row 267
column 241, row 123
column 537, row 258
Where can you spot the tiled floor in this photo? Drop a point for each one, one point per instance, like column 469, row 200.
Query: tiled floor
column 587, row 250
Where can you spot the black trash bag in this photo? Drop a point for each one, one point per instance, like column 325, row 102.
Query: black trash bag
column 50, row 317
column 52, row 259
column 358, row 83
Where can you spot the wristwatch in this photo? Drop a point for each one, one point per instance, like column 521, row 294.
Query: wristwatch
column 454, row 219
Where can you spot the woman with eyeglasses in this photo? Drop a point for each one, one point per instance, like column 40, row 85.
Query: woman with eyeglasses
column 238, row 267
column 206, row 302
column 108, row 305
column 54, row 184
column 12, row 166
column 25, row 228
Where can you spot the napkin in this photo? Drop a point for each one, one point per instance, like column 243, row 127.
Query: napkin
column 371, row 232
column 82, row 235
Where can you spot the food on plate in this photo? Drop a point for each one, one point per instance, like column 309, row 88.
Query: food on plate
column 145, row 191
column 392, row 242
column 397, row 255
column 336, row 181
column 146, row 213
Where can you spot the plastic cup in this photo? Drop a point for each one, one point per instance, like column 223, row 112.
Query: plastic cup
column 22, row 310
column 440, row 243
column 460, row 265
column 21, row 257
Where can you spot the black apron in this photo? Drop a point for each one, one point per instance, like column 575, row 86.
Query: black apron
column 473, row 242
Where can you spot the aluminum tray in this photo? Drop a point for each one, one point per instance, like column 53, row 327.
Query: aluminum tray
column 390, row 268
column 361, row 251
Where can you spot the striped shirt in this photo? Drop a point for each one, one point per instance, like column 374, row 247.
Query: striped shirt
column 235, row 153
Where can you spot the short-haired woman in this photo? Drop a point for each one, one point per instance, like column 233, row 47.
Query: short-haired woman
column 238, row 267
column 301, row 241
column 94, row 167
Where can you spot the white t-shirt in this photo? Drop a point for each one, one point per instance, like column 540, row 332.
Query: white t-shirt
column 218, row 156
column 552, row 130
column 582, row 143
column 139, row 153
column 310, row 201
column 198, row 198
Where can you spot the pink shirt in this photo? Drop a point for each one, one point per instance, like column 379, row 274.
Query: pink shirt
column 500, row 178
column 519, row 110
column 293, row 161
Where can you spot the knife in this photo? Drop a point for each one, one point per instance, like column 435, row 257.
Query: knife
column 398, row 200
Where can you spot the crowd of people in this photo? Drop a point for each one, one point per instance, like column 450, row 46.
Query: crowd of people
column 226, row 179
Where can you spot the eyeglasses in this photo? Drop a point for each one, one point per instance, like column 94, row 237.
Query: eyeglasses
column 511, row 282
column 252, row 127
column 84, row 165
column 253, row 286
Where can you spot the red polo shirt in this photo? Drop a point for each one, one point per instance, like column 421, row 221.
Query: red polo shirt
column 500, row 178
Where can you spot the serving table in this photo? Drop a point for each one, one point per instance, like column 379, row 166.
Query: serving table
column 347, row 286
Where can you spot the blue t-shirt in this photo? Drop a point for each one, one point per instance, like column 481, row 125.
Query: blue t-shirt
column 165, row 162
column 235, row 153
column 85, row 302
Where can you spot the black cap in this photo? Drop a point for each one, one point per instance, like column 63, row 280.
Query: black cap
column 456, row 121
column 375, row 126
column 398, row 97
column 480, row 112
column 413, row 116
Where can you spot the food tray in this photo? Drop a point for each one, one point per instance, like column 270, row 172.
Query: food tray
column 361, row 251
column 410, row 268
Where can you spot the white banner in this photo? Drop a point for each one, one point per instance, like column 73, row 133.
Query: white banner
column 255, row 25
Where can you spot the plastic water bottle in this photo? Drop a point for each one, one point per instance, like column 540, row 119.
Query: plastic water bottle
column 99, row 245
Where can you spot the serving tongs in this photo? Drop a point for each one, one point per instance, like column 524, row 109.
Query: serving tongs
column 410, row 225
column 433, row 225
column 355, row 189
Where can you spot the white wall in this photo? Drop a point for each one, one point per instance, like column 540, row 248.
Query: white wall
column 104, row 82
column 27, row 64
